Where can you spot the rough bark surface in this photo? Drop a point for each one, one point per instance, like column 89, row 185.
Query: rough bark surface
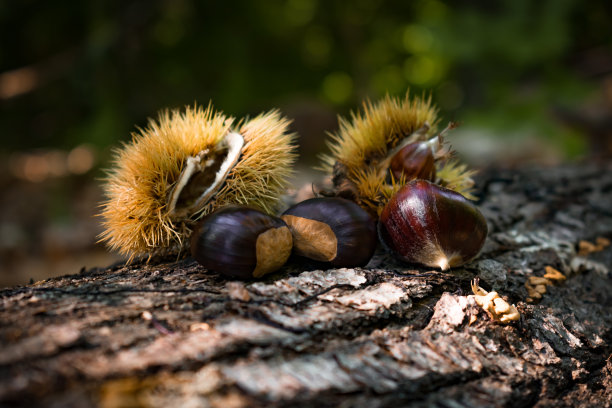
column 171, row 334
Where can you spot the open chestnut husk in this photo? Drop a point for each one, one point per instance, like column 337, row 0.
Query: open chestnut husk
column 430, row 225
column 333, row 230
column 241, row 242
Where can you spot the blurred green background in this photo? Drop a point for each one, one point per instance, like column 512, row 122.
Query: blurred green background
column 531, row 82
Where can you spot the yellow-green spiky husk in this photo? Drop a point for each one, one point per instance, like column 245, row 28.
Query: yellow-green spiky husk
column 136, row 217
column 360, row 149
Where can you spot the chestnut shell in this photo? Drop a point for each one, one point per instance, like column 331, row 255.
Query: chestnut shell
column 226, row 241
column 431, row 225
column 414, row 161
column 353, row 228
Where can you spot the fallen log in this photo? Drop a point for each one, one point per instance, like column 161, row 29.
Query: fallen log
column 169, row 333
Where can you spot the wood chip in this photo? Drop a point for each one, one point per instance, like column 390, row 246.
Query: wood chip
column 602, row 242
column 585, row 248
column 537, row 280
column 199, row 326
column 553, row 274
column 496, row 307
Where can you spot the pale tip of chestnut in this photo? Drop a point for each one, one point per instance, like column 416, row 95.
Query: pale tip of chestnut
column 443, row 264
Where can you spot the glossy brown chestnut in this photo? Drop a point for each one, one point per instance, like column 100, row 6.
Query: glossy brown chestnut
column 333, row 230
column 431, row 225
column 240, row 242
column 415, row 160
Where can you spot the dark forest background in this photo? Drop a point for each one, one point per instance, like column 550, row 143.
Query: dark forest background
column 530, row 82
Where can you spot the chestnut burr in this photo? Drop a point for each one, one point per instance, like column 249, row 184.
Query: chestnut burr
column 430, row 225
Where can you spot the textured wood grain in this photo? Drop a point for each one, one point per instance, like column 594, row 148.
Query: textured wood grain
column 171, row 334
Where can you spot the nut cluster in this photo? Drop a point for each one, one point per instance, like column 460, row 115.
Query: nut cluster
column 244, row 243
column 387, row 164
column 389, row 160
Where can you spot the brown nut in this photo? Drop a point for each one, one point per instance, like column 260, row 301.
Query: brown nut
column 433, row 226
column 415, row 160
column 333, row 230
column 240, row 242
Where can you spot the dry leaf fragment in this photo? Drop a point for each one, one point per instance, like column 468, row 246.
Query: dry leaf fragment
column 199, row 326
column 537, row 280
column 501, row 306
column 541, row 289
column 553, row 274
column 585, row 248
column 532, row 292
column 536, row 285
column 496, row 307
column 602, row 242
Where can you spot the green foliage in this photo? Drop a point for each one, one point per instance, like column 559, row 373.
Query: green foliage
column 100, row 67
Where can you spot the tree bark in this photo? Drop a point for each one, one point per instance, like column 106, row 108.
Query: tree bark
column 172, row 334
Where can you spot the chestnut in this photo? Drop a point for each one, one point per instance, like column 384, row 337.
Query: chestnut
column 241, row 242
column 430, row 225
column 332, row 229
column 415, row 160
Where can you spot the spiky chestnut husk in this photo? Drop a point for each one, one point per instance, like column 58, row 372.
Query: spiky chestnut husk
column 178, row 154
column 363, row 147
column 433, row 226
column 241, row 242
column 332, row 230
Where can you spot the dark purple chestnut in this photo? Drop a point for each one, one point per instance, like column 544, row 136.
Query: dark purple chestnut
column 333, row 230
column 241, row 242
column 415, row 160
column 431, row 225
